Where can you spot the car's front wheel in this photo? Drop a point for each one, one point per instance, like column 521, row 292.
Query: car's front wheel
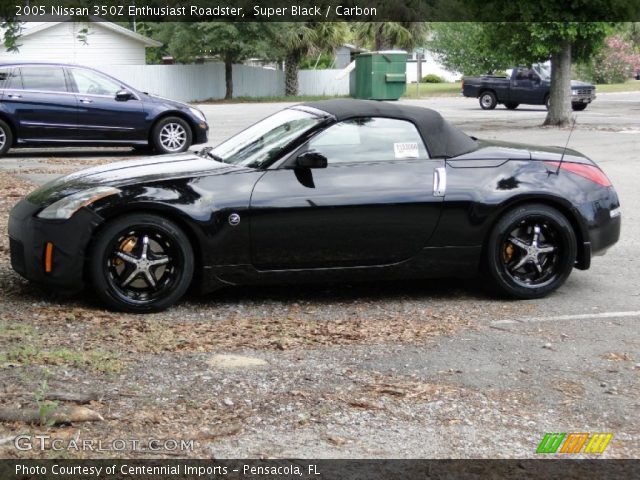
column 511, row 105
column 171, row 135
column 141, row 263
column 6, row 138
column 578, row 107
column 531, row 251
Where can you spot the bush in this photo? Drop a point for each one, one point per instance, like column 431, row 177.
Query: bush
column 615, row 63
column 432, row 78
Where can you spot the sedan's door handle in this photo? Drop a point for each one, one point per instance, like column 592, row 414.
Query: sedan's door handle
column 85, row 100
column 439, row 182
column 14, row 95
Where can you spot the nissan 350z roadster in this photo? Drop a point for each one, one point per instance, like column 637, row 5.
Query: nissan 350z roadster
column 336, row 190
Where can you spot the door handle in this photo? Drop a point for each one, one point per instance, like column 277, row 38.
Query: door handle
column 14, row 95
column 85, row 100
column 439, row 182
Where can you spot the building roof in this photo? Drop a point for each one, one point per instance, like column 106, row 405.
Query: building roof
column 442, row 138
column 31, row 28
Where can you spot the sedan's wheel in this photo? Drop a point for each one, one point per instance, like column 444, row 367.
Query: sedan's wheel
column 488, row 100
column 6, row 138
column 141, row 263
column 531, row 251
column 171, row 135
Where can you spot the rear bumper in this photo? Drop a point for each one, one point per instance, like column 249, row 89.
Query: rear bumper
column 29, row 235
column 603, row 222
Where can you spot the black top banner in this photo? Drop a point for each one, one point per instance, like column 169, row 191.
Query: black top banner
column 323, row 10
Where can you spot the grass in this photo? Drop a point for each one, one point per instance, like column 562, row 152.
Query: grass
column 628, row 86
column 432, row 90
column 100, row 361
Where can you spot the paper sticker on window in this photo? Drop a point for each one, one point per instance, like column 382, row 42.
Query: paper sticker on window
column 406, row 150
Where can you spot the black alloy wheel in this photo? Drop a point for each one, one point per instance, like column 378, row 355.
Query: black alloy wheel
column 141, row 263
column 531, row 251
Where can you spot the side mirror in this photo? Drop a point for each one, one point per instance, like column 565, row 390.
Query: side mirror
column 123, row 95
column 311, row 159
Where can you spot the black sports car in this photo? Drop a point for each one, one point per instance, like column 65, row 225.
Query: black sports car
column 331, row 190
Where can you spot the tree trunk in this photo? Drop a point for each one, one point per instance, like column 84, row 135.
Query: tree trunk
column 291, row 74
column 559, row 113
column 228, row 76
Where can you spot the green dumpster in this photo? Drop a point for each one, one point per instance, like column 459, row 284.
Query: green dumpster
column 380, row 75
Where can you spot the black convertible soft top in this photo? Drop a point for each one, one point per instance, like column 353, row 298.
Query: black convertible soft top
column 442, row 138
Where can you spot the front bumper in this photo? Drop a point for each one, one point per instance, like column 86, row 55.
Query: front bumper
column 201, row 133
column 576, row 98
column 29, row 235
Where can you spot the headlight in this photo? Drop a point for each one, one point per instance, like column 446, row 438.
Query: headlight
column 198, row 114
column 64, row 208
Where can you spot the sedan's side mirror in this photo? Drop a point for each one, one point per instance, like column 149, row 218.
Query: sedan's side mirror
column 123, row 95
column 311, row 159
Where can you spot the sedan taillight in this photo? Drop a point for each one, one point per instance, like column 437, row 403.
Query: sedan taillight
column 590, row 172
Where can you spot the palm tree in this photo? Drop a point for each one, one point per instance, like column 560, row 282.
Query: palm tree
column 294, row 40
column 388, row 35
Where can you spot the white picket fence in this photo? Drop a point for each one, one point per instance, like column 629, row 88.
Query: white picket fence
column 192, row 83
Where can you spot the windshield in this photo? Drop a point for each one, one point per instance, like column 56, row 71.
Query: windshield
column 262, row 142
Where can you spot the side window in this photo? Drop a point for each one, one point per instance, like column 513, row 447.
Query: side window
column 369, row 139
column 92, row 83
column 48, row 79
column 10, row 79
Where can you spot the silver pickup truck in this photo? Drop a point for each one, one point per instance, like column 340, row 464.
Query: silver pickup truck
column 524, row 85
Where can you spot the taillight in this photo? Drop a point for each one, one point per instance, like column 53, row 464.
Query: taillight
column 590, row 172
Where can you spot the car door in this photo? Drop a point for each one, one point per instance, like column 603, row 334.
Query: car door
column 37, row 96
column 102, row 117
column 521, row 86
column 373, row 204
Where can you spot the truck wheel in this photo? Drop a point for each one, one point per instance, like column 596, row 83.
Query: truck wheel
column 488, row 100
column 578, row 107
column 547, row 101
column 511, row 105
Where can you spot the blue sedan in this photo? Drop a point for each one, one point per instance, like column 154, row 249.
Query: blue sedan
column 69, row 105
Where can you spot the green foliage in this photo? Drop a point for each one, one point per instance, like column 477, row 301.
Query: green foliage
column 46, row 408
column 432, row 78
column 390, row 35
column 317, row 62
column 12, row 30
column 615, row 63
column 467, row 48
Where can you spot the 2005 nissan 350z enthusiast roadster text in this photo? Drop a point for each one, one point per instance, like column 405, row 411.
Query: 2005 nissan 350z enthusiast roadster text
column 336, row 190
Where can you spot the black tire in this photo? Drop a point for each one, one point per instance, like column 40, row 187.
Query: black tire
column 171, row 135
column 511, row 106
column 117, row 275
column 578, row 107
column 6, row 138
column 488, row 100
column 534, row 273
column 547, row 101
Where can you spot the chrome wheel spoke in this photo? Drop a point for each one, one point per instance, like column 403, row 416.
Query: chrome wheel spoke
column 547, row 249
column 521, row 263
column 127, row 258
column 518, row 243
column 159, row 261
column 131, row 277
column 536, row 236
column 150, row 278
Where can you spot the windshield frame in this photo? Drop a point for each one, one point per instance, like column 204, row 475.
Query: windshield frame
column 319, row 118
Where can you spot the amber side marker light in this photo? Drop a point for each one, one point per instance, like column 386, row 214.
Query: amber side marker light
column 48, row 257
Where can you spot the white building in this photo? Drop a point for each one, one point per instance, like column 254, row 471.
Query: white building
column 104, row 43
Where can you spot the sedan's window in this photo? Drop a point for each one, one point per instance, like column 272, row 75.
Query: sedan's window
column 47, row 79
column 92, row 83
column 369, row 139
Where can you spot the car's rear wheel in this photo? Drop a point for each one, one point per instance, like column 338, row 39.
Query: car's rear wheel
column 488, row 100
column 578, row 107
column 6, row 138
column 531, row 251
column 511, row 105
column 141, row 263
column 171, row 135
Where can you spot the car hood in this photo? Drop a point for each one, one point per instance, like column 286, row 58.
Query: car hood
column 168, row 101
column 118, row 174
column 578, row 84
